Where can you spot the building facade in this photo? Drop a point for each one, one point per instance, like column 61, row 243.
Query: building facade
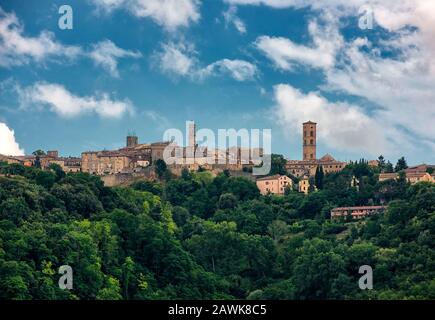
column 304, row 185
column 129, row 159
column 309, row 164
column 411, row 177
column 276, row 184
column 309, row 141
column 356, row 212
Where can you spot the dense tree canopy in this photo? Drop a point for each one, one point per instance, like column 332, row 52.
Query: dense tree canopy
column 205, row 237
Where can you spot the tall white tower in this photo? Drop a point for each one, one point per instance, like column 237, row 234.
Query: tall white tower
column 191, row 129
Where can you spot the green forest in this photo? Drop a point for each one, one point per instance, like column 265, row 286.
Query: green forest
column 203, row 237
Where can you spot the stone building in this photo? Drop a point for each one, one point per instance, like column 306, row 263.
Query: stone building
column 9, row 159
column 309, row 164
column 356, row 212
column 68, row 164
column 304, row 185
column 276, row 184
column 309, row 140
column 132, row 141
column 131, row 158
column 192, row 156
column 411, row 177
column 413, row 174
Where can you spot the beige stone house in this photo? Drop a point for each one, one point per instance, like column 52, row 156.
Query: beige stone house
column 304, row 185
column 275, row 184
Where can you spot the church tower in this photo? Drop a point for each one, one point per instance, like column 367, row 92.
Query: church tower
column 132, row 140
column 191, row 130
column 309, row 140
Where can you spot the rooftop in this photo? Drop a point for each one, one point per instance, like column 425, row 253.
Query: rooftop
column 360, row 208
column 274, row 177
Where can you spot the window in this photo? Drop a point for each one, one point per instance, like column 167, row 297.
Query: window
column 311, row 141
column 311, row 156
column 311, row 134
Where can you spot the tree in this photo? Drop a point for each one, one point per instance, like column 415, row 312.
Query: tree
column 206, row 237
column 46, row 178
column 60, row 174
column 318, row 178
column 150, row 186
column 111, row 291
column 278, row 163
column 242, row 188
column 277, row 230
column 37, row 162
column 312, row 184
column 316, row 269
column 401, row 165
column 381, row 163
column 227, row 201
column 389, row 167
column 14, row 209
column 161, row 168
column 38, row 152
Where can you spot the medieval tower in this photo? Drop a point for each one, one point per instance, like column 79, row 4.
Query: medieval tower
column 309, row 140
column 132, row 140
column 191, row 129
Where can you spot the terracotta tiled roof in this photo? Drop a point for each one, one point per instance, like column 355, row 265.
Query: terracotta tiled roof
column 274, row 177
column 327, row 157
column 360, row 208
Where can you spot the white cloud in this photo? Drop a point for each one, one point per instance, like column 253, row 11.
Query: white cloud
column 284, row 53
column 342, row 126
column 177, row 59
column 400, row 85
column 68, row 105
column 230, row 17
column 403, row 89
column 181, row 60
column 239, row 70
column 171, row 14
column 8, row 144
column 106, row 54
column 17, row 49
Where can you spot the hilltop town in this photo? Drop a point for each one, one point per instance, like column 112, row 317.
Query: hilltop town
column 136, row 161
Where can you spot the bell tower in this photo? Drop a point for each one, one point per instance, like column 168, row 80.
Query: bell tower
column 309, row 140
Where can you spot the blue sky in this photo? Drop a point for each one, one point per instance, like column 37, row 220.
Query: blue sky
column 148, row 65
